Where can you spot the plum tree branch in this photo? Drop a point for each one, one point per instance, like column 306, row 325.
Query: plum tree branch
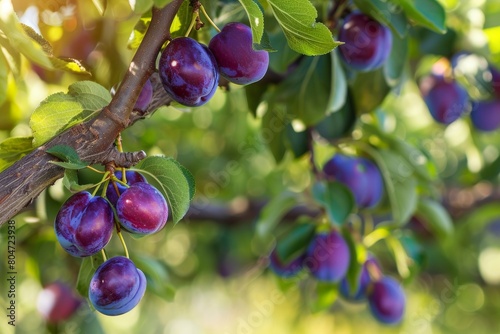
column 93, row 140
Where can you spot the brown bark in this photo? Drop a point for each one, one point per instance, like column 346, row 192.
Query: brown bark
column 93, row 140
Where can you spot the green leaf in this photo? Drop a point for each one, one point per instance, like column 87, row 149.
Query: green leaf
column 256, row 19
column 297, row 18
column 139, row 30
column 181, row 21
column 172, row 181
column 338, row 124
column 280, row 61
column 70, row 181
column 337, row 199
column 12, row 149
column 338, row 88
column 369, row 90
column 158, row 281
column 87, row 269
column 435, row 216
column 297, row 142
column 295, row 242
column 395, row 64
column 356, row 260
column 427, row 13
column 326, row 295
column 417, row 160
column 307, row 90
column 60, row 111
column 273, row 127
column 273, row 212
column 64, row 153
column 17, row 37
column 385, row 12
column 60, row 63
column 400, row 184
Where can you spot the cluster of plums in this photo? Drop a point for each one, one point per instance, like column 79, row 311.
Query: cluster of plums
column 327, row 255
column 447, row 100
column 327, row 259
column 84, row 225
column 190, row 71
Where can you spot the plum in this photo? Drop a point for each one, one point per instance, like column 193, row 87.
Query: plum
column 238, row 61
column 84, row 224
column 328, row 257
column 117, row 286
column 188, row 71
column 387, row 300
column 485, row 115
column 360, row 175
column 446, row 100
column 288, row 269
column 132, row 177
column 142, row 209
column 368, row 43
column 145, row 97
column 57, row 302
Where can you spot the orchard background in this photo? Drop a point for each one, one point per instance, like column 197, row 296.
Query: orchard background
column 248, row 164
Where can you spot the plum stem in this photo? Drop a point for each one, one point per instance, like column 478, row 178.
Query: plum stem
column 196, row 15
column 104, row 255
column 120, row 236
column 212, row 23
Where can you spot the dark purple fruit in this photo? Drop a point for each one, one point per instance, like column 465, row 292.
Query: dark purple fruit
column 238, row 61
column 446, row 99
column 485, row 115
column 188, row 72
column 57, row 302
column 360, row 175
column 142, row 209
column 132, row 177
column 84, row 224
column 368, row 43
column 117, row 286
column 328, row 257
column 145, row 97
column 387, row 300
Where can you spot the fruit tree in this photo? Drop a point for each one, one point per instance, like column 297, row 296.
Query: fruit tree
column 249, row 166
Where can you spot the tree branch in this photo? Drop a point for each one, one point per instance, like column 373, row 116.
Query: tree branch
column 92, row 140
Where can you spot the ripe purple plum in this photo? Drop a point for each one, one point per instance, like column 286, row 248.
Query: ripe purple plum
column 387, row 300
column 57, row 302
column 368, row 43
column 363, row 281
column 188, row 71
column 145, row 97
column 142, row 209
column 84, row 224
column 328, row 257
column 132, row 177
column 360, row 175
column 288, row 269
column 238, row 61
column 117, row 286
column 485, row 115
column 446, row 99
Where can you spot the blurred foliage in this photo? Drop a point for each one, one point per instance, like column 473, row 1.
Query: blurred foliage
column 237, row 155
